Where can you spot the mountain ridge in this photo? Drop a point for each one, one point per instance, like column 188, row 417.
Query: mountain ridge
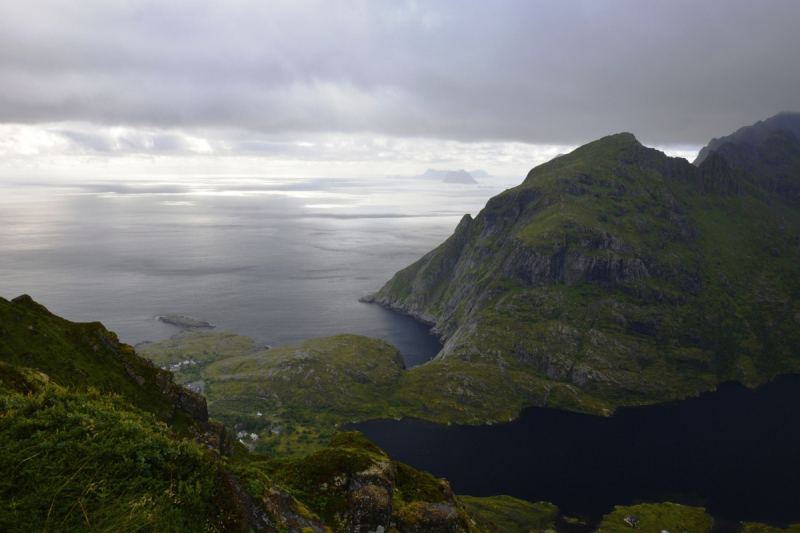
column 753, row 134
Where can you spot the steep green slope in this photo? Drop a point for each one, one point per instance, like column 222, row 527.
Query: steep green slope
column 611, row 276
column 76, row 355
column 80, row 356
column 77, row 461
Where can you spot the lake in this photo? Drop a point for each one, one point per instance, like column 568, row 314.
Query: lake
column 735, row 451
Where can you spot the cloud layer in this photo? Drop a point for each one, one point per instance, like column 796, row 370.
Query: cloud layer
column 677, row 72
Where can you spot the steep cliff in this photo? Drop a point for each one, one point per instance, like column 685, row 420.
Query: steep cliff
column 613, row 275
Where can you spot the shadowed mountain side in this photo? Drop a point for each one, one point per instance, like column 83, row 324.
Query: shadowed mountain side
column 755, row 134
column 613, row 275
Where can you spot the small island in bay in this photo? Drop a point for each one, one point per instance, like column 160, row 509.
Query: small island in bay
column 185, row 321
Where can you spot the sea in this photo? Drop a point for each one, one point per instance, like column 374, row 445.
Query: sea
column 278, row 260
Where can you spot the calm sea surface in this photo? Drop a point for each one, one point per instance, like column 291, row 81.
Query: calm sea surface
column 278, row 260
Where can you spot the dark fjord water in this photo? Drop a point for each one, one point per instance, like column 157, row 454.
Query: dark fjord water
column 286, row 260
column 735, row 451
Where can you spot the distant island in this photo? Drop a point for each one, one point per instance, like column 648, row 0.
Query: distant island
column 459, row 176
column 185, row 322
column 449, row 176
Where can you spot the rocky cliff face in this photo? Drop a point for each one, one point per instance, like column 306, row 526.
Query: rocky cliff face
column 616, row 275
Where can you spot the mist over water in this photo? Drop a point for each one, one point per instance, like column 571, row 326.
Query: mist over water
column 278, row 260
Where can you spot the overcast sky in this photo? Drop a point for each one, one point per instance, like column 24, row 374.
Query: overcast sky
column 379, row 87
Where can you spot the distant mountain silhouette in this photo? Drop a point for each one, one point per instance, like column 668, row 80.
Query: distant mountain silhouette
column 755, row 134
column 459, row 176
column 456, row 176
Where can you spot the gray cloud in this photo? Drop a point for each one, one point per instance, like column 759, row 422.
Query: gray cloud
column 541, row 72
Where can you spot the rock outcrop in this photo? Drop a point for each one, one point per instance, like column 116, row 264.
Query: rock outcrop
column 354, row 487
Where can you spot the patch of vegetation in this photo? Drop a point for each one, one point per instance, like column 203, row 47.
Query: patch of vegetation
column 192, row 352
column 72, row 461
column 657, row 517
column 292, row 397
column 416, row 485
column 510, row 515
column 753, row 527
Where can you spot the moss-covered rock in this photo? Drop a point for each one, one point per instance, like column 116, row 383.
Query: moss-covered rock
column 655, row 518
column 511, row 515
column 353, row 486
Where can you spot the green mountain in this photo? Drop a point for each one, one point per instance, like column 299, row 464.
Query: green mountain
column 613, row 275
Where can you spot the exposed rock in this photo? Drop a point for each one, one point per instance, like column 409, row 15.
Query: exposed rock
column 193, row 404
column 291, row 514
column 422, row 517
column 185, row 322
column 717, row 177
column 370, row 508
column 254, row 516
column 129, row 370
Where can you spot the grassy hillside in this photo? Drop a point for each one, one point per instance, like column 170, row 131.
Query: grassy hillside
column 78, row 460
column 511, row 515
column 79, row 356
column 302, row 391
